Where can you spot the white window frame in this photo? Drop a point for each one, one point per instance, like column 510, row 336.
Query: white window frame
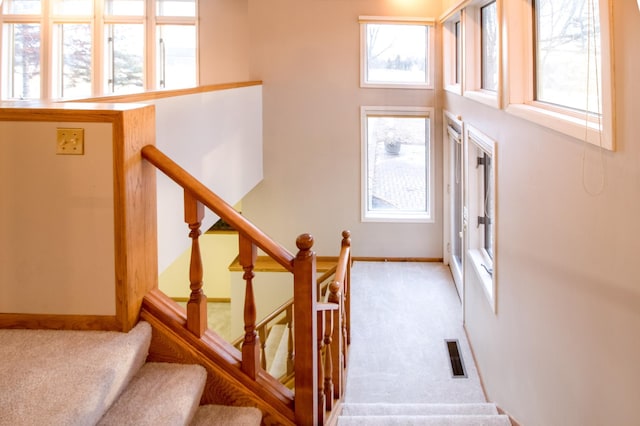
column 452, row 139
column 397, row 111
column 472, row 78
column 521, row 101
column 450, row 51
column 429, row 23
column 47, row 19
column 475, row 141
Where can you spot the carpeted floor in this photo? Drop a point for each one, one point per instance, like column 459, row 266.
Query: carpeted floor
column 402, row 313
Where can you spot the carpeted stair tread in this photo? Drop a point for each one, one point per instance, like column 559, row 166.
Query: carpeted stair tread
column 161, row 394
column 211, row 415
column 380, row 409
column 66, row 377
column 273, row 340
column 439, row 420
column 278, row 365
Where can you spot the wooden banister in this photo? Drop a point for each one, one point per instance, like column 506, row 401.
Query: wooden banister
column 317, row 329
column 218, row 206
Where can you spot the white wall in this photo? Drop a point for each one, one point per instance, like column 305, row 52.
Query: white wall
column 215, row 136
column 56, row 221
column 564, row 346
column 307, row 54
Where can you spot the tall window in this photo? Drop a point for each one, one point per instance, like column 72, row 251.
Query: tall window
column 396, row 53
column 455, row 186
column 567, row 54
column 458, row 51
column 80, row 48
column 489, row 46
column 480, row 166
column 397, row 164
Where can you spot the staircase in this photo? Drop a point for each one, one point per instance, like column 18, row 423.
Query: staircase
column 102, row 378
column 480, row 414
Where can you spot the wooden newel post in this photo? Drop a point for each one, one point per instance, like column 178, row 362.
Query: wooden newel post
column 305, row 332
column 197, row 305
column 251, row 345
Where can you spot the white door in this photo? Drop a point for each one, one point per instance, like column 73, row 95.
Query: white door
column 454, row 198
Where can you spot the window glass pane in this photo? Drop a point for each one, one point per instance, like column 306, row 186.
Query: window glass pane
column 397, row 158
column 124, row 7
column 176, row 56
column 73, row 7
column 176, row 8
column 22, row 7
column 488, row 204
column 456, row 166
column 489, row 43
column 73, row 49
column 396, row 53
column 458, row 52
column 21, row 60
column 567, row 52
column 125, row 58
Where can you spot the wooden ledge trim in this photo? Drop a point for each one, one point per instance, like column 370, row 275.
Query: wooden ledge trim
column 159, row 94
column 60, row 322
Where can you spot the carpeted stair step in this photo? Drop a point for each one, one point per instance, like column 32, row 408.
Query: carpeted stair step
column 436, row 420
column 278, row 366
column 160, row 394
column 384, row 409
column 66, row 377
column 223, row 415
column 272, row 343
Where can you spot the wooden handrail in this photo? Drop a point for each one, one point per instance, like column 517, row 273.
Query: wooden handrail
column 218, row 206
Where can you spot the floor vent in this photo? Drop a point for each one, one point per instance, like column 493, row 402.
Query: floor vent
column 457, row 366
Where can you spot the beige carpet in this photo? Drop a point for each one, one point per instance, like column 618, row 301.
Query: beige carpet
column 401, row 315
column 53, row 377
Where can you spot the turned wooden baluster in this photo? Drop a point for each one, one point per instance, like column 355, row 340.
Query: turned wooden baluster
column 262, row 333
column 328, row 360
column 251, row 344
column 305, row 331
column 321, row 354
column 337, row 348
column 197, row 305
column 290, row 361
column 346, row 242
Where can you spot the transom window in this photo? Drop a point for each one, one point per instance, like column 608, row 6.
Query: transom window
column 567, row 55
column 81, row 48
column 397, row 181
column 489, row 46
column 396, row 52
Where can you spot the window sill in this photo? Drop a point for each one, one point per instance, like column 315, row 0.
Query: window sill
column 381, row 85
column 370, row 217
column 454, row 88
column 477, row 259
column 569, row 125
column 484, row 97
